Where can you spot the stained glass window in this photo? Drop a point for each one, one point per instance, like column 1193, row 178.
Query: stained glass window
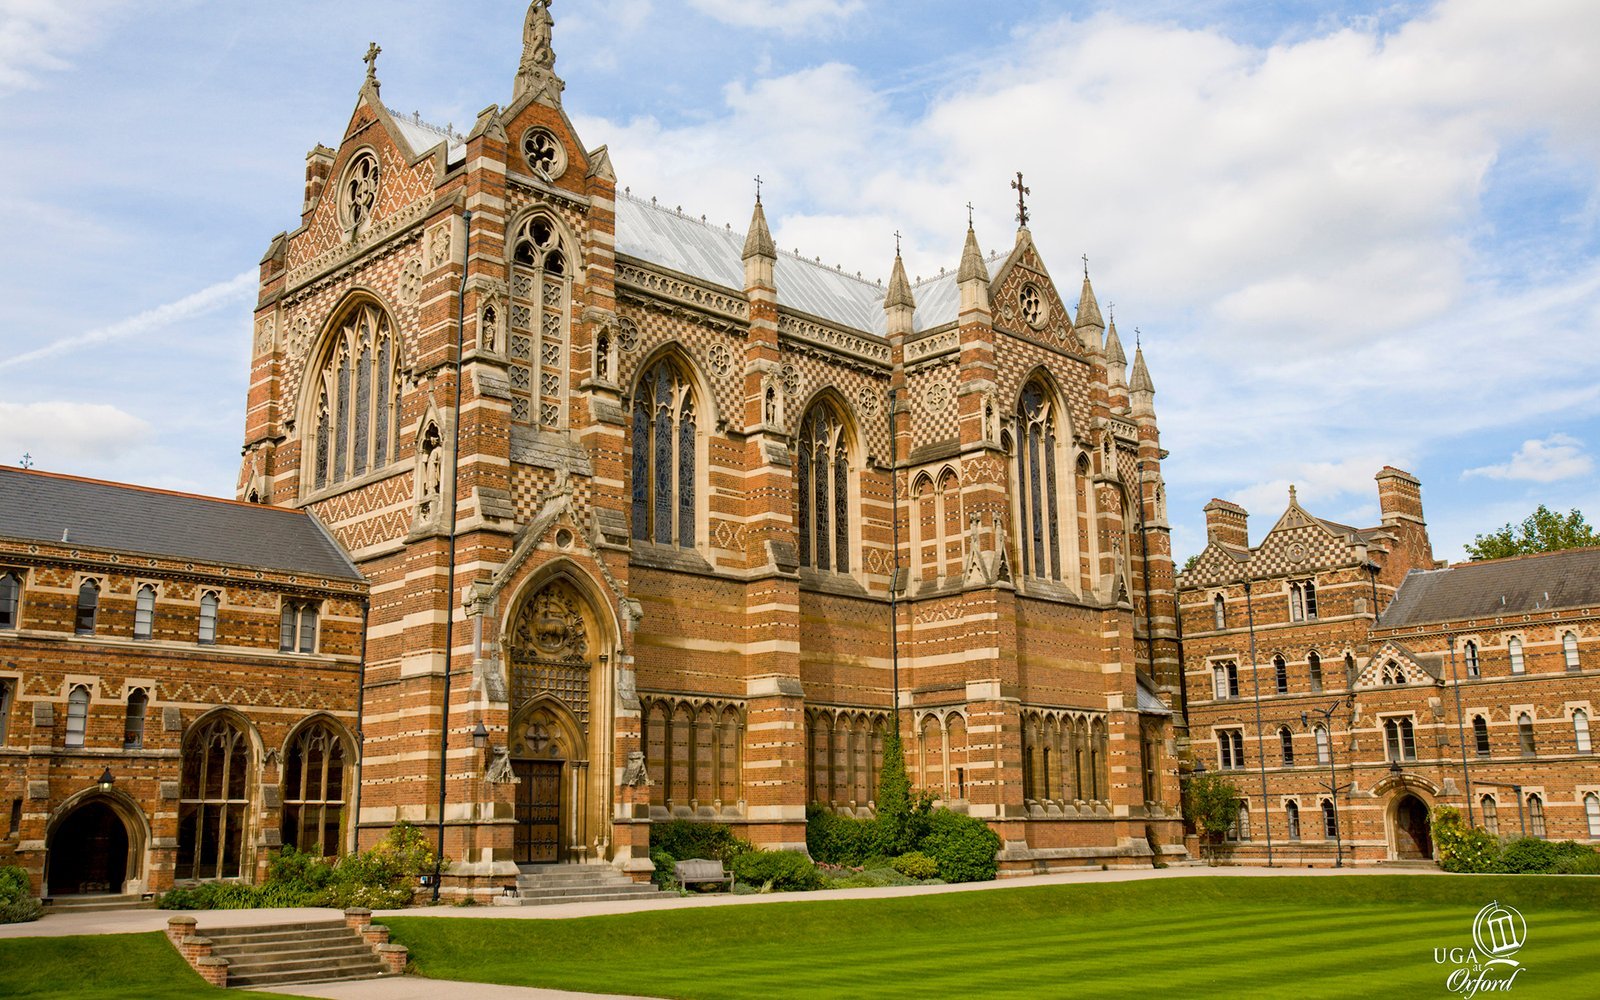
column 1037, row 484
column 664, row 456
column 358, row 397
column 822, row 491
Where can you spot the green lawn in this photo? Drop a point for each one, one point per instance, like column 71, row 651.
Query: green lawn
column 1235, row 937
column 104, row 967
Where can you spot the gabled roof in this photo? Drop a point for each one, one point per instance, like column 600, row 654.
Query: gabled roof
column 687, row 244
column 44, row 507
column 1496, row 588
column 1419, row 668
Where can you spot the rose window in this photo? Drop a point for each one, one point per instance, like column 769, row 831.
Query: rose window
column 1032, row 303
column 544, row 154
column 360, row 191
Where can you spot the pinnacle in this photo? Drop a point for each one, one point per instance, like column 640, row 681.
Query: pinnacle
column 1114, row 352
column 1140, row 380
column 972, row 266
column 899, row 288
column 758, row 243
column 1088, row 308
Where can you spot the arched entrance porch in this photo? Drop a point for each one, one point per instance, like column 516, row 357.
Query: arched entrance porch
column 1412, row 829
column 93, row 848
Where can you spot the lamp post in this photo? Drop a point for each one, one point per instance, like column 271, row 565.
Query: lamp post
column 1261, row 743
column 1333, row 786
column 1461, row 730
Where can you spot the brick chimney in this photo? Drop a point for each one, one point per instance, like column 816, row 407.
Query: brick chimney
column 319, row 164
column 1227, row 524
column 1399, row 496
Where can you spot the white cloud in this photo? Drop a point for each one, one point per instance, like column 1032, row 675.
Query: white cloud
column 209, row 299
column 36, row 36
column 791, row 17
column 62, row 434
column 1550, row 460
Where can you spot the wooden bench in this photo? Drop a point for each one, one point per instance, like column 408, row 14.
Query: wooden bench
column 696, row 871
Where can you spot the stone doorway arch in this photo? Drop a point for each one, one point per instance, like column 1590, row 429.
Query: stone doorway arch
column 94, row 847
column 1413, row 830
column 550, row 760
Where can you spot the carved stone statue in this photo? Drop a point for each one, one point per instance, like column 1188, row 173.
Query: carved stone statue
column 635, row 775
column 499, row 772
column 536, row 48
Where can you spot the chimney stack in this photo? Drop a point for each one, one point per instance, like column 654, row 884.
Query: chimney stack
column 1227, row 524
column 1399, row 496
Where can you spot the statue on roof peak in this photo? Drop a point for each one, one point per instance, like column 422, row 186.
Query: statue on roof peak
column 536, row 74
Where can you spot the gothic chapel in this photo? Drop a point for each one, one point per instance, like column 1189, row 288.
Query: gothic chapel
column 672, row 516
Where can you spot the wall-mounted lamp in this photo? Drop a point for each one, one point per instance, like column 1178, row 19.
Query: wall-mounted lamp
column 106, row 780
column 480, row 735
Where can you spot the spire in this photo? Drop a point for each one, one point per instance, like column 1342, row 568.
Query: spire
column 972, row 261
column 758, row 242
column 1140, row 380
column 1115, row 355
column 1088, row 308
column 899, row 287
column 536, row 74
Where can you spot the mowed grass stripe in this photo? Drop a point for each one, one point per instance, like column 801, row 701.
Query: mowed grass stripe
column 104, row 967
column 1246, row 937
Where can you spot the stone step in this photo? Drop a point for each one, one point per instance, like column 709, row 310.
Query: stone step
column 533, row 883
column 345, row 965
column 599, row 897
column 270, row 933
column 97, row 904
column 298, row 979
column 633, row 888
column 256, row 956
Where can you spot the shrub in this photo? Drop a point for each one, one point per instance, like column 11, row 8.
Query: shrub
column 963, row 846
column 868, row 878
column 17, row 902
column 840, row 840
column 662, row 876
column 1529, row 856
column 781, row 871
column 682, row 839
column 916, row 865
column 1463, row 848
column 1583, row 861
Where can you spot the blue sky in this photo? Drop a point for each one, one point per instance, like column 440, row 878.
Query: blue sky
column 1351, row 234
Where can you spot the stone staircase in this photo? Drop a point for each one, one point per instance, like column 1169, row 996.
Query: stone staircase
column 543, row 885
column 98, row 903
column 274, row 955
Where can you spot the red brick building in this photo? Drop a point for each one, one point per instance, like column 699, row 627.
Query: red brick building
column 1372, row 670
column 631, row 490
column 179, row 685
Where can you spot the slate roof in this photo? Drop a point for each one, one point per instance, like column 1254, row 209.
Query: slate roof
column 1497, row 587
column 713, row 253
column 1148, row 702
column 39, row 506
column 422, row 136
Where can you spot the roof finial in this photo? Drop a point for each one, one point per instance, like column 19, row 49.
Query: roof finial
column 1085, row 267
column 1136, row 342
column 969, row 215
column 371, row 59
column 897, row 242
column 27, row 460
column 1292, row 498
column 758, row 189
column 1022, row 204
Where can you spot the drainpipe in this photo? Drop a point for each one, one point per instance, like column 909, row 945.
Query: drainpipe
column 1261, row 745
column 894, row 577
column 450, row 568
column 361, row 739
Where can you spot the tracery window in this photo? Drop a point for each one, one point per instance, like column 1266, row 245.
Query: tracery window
column 1231, row 744
column 664, row 446
column 1536, row 815
column 357, row 416
column 1037, row 490
column 212, row 799
column 358, row 192
column 538, row 326
column 77, row 715
column 1491, row 814
column 144, row 612
column 1480, row 735
column 1580, row 730
column 133, row 719
column 1241, row 824
column 88, row 607
column 1314, row 662
column 822, row 490
column 313, row 792
column 208, row 618
column 10, row 589
column 1399, row 739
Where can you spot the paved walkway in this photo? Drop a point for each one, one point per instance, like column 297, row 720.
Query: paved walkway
column 417, row 988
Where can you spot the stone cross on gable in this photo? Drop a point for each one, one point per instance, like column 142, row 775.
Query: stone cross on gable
column 969, row 212
column 1022, row 204
column 371, row 59
column 758, row 188
column 897, row 242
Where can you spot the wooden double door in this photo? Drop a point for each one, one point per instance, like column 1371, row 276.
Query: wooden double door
column 538, row 811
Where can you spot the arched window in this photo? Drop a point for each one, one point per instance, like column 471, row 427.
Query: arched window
column 1037, row 488
column 297, row 627
column 208, row 618
column 1324, row 749
column 1286, row 744
column 1291, row 811
column 1399, row 739
column 144, row 612
column 1349, row 670
column 1591, row 811
column 1514, row 650
column 539, row 325
column 313, row 792
column 1491, row 814
column 77, row 715
column 1580, row 730
column 1480, row 735
column 822, row 490
column 1231, row 746
column 1330, row 819
column 133, row 721
column 1525, row 734
column 1569, row 650
column 88, row 607
column 10, row 588
column 1219, row 611
column 1241, row 823
column 1314, row 663
column 1280, row 675
column 1471, row 653
column 357, row 416
column 1393, row 674
column 1297, row 603
column 664, row 456
column 213, row 796
column 1311, row 599
column 1536, row 815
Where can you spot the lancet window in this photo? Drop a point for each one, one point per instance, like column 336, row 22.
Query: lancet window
column 213, row 798
column 1037, row 485
column 538, row 329
column 664, row 448
column 313, row 791
column 357, row 416
column 822, row 491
